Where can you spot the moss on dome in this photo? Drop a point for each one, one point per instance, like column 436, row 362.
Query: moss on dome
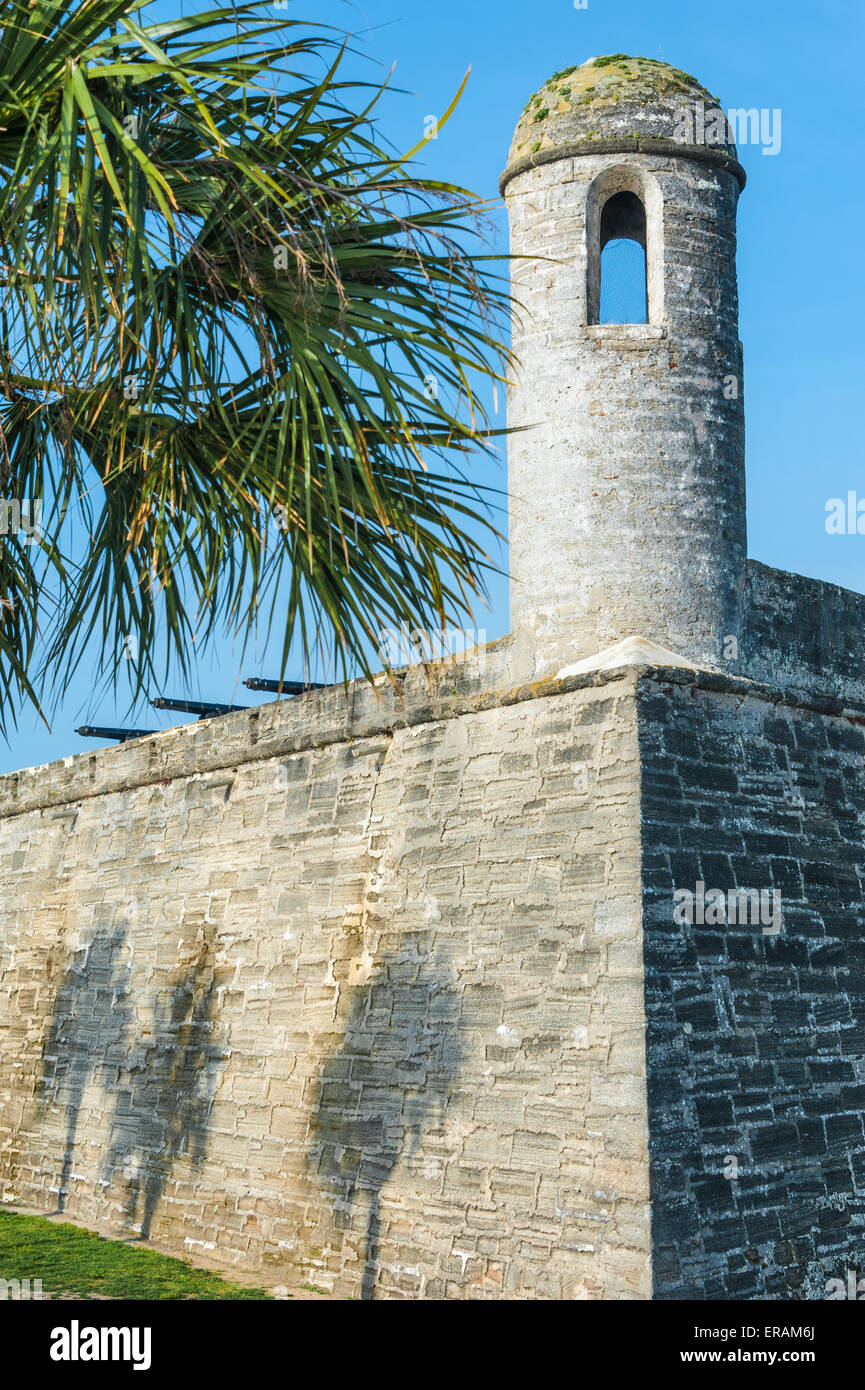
column 607, row 98
column 598, row 78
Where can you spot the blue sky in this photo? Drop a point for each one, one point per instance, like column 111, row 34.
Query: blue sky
column 800, row 260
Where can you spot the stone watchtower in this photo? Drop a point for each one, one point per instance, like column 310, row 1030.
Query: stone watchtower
column 627, row 479
column 496, row 985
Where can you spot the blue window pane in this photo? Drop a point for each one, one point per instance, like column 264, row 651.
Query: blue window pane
column 623, row 282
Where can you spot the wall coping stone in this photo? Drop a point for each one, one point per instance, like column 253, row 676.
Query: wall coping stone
column 340, row 715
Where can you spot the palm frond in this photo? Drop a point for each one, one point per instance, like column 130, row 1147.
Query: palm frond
column 224, row 301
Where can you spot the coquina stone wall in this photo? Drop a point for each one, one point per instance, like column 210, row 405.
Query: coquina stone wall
column 342, row 993
column 803, row 633
column 388, row 995
column 755, row 1034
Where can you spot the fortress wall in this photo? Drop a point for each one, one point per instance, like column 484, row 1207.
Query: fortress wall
column 349, row 994
column 755, row 1043
column 803, row 632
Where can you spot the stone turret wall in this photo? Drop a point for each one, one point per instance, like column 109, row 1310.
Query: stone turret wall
column 633, row 440
column 627, row 471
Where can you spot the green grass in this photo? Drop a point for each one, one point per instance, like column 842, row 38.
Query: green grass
column 69, row 1260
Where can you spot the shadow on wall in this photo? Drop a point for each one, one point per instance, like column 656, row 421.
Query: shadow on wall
column 158, row 1085
column 384, row 1093
column 164, row 1111
column 89, row 1036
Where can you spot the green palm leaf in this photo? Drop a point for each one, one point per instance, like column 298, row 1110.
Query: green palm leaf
column 223, row 301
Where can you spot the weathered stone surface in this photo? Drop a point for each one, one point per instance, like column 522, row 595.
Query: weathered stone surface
column 407, row 1013
column 627, row 473
column 619, row 102
column 803, row 632
column 755, row 1042
column 363, row 1012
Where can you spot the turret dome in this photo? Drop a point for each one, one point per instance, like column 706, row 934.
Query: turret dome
column 617, row 103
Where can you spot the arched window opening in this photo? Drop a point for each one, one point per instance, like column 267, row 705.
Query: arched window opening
column 624, row 289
